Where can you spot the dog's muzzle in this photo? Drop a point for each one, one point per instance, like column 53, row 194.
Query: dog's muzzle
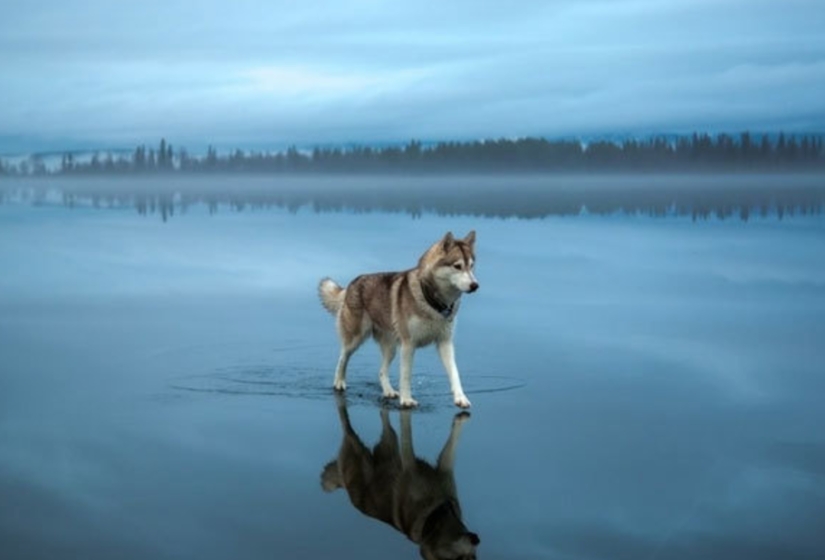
column 473, row 287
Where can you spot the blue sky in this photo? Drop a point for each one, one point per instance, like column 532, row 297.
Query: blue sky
column 250, row 73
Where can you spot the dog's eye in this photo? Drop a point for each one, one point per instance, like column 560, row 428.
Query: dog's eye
column 457, row 266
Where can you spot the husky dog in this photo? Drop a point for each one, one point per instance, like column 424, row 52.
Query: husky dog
column 415, row 308
column 409, row 494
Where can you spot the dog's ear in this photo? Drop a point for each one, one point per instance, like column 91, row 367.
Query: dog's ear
column 471, row 238
column 330, row 477
column 448, row 241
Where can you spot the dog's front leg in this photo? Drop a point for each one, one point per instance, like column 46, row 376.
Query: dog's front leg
column 446, row 459
column 340, row 382
column 387, row 354
column 407, row 452
column 405, row 382
column 447, row 353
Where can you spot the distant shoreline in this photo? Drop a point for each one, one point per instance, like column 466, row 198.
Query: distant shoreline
column 742, row 152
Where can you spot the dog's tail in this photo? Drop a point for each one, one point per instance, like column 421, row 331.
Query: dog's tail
column 332, row 295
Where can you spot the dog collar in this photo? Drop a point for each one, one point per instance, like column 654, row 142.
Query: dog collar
column 442, row 309
column 446, row 312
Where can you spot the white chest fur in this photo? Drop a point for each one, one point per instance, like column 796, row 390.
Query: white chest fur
column 424, row 331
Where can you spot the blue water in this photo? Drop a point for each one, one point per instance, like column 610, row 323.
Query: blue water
column 641, row 388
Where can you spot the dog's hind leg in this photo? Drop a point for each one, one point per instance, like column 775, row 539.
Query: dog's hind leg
column 331, row 477
column 387, row 355
column 340, row 382
column 347, row 350
column 353, row 330
column 343, row 414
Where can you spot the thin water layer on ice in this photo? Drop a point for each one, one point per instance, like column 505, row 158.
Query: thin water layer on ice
column 641, row 388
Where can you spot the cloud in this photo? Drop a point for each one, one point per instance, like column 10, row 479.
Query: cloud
column 370, row 71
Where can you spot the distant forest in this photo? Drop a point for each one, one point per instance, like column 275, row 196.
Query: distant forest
column 690, row 153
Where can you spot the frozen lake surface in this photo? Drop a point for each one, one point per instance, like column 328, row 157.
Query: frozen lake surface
column 642, row 388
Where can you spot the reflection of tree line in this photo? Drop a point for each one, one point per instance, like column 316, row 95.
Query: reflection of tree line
column 697, row 196
column 697, row 152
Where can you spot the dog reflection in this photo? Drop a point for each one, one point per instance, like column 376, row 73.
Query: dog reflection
column 392, row 485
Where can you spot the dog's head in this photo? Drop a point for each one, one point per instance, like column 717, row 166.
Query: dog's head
column 452, row 262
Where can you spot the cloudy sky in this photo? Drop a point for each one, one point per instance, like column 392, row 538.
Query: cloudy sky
column 252, row 73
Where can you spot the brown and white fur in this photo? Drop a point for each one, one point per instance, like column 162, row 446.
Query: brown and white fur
column 411, row 308
column 392, row 485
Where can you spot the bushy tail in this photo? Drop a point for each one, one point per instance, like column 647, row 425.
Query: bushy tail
column 332, row 295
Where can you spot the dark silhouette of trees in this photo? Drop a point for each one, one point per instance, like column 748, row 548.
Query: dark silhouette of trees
column 695, row 153
column 162, row 154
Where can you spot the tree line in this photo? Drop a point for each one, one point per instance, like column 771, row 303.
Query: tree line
column 696, row 152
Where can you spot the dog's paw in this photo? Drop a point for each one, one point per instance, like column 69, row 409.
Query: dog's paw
column 390, row 393
column 462, row 401
column 408, row 403
column 340, row 386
